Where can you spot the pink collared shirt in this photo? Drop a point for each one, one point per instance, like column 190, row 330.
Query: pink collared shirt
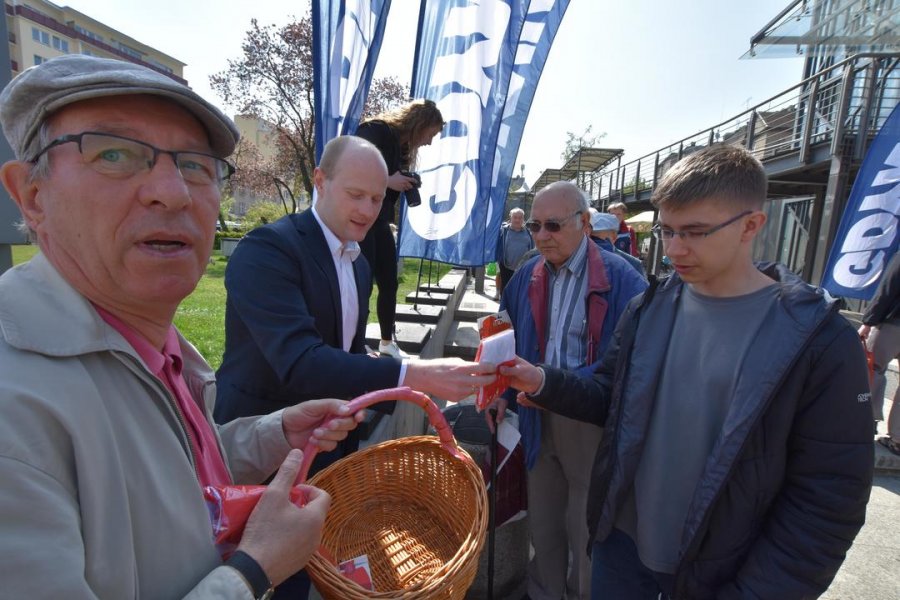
column 167, row 366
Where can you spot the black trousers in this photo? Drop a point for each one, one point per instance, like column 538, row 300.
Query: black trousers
column 380, row 250
column 505, row 276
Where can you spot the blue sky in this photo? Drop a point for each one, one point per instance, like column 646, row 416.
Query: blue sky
column 646, row 72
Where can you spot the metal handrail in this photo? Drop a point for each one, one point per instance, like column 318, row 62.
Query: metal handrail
column 807, row 113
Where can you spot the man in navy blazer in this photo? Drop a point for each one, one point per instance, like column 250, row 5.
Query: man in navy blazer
column 286, row 340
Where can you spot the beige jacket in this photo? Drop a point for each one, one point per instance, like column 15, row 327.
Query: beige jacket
column 98, row 497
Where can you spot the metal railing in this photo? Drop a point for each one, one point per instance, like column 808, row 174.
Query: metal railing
column 844, row 103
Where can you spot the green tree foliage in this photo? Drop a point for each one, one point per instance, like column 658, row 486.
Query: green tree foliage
column 574, row 142
column 262, row 213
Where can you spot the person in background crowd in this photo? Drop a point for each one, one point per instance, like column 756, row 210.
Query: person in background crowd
column 398, row 134
column 626, row 240
column 564, row 305
column 736, row 459
column 881, row 333
column 604, row 227
column 513, row 243
column 105, row 409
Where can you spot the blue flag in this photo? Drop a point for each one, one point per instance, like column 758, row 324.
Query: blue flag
column 466, row 56
column 347, row 37
column 868, row 236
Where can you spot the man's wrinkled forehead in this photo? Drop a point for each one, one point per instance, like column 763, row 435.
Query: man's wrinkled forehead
column 554, row 204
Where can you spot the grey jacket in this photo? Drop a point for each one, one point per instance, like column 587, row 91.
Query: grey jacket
column 99, row 498
column 784, row 491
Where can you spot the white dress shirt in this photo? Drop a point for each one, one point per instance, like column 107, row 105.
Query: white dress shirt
column 343, row 254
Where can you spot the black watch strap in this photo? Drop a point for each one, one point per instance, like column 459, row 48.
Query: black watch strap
column 247, row 566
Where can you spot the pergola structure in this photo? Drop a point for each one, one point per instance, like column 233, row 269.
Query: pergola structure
column 578, row 168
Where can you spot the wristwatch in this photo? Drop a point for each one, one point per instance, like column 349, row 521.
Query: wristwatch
column 253, row 574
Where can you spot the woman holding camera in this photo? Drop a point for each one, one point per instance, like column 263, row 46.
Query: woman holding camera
column 398, row 134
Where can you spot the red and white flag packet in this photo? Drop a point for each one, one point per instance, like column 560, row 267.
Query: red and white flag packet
column 498, row 346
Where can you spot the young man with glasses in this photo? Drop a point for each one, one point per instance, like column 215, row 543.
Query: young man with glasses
column 564, row 305
column 737, row 453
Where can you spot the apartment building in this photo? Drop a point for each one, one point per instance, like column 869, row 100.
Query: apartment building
column 40, row 30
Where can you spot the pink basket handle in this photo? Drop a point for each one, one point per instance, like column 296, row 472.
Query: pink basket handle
column 435, row 417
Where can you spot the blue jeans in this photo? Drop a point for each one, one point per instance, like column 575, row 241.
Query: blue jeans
column 617, row 572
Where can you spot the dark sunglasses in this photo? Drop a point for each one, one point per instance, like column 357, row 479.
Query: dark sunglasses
column 551, row 226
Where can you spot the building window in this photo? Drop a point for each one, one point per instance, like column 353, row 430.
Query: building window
column 88, row 34
column 130, row 51
column 159, row 65
column 40, row 36
column 60, row 44
column 38, row 59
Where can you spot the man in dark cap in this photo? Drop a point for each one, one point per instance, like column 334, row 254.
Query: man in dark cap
column 106, row 436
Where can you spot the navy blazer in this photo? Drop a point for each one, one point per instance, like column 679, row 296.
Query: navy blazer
column 283, row 324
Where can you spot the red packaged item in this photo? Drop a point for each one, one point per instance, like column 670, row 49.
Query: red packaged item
column 358, row 571
column 498, row 346
column 229, row 508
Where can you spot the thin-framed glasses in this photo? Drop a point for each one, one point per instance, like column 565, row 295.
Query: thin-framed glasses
column 120, row 157
column 665, row 234
column 551, row 226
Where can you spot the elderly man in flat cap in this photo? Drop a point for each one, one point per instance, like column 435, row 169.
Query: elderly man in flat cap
column 106, row 434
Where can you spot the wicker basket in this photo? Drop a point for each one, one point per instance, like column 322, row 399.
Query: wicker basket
column 416, row 507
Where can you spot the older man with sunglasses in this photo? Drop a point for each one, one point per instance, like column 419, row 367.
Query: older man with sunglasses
column 106, row 434
column 564, row 305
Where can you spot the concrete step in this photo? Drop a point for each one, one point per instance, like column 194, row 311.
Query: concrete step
column 410, row 336
column 451, row 279
column 472, row 309
column 430, row 298
column 462, row 341
column 473, row 306
column 436, row 288
column 423, row 313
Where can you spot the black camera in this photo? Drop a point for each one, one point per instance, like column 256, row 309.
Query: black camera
column 412, row 194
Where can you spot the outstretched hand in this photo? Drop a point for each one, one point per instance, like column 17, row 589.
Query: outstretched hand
column 523, row 376
column 448, row 378
column 309, row 421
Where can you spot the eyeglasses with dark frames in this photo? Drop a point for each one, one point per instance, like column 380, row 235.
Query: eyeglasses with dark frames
column 119, row 157
column 551, row 226
column 665, row 234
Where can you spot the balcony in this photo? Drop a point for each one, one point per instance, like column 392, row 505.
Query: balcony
column 836, row 111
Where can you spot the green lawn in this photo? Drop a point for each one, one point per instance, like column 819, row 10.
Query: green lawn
column 201, row 316
column 23, row 253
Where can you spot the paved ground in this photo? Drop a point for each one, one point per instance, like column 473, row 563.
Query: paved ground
column 872, row 568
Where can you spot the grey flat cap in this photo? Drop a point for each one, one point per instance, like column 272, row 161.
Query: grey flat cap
column 604, row 222
column 38, row 92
